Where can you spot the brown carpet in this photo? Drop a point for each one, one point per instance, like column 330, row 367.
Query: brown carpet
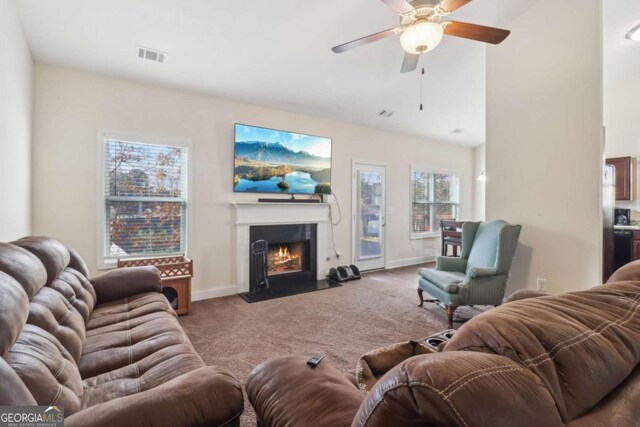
column 343, row 323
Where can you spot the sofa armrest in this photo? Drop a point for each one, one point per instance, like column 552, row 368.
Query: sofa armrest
column 475, row 272
column 286, row 392
column 206, row 396
column 448, row 263
column 630, row 271
column 525, row 294
column 125, row 282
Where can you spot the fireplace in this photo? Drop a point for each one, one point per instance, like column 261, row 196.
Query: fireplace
column 271, row 222
column 290, row 257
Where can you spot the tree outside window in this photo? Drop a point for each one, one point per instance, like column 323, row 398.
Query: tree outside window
column 145, row 199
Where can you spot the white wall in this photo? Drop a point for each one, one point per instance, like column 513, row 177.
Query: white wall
column 623, row 128
column 70, row 106
column 479, row 187
column 16, row 77
column 543, row 145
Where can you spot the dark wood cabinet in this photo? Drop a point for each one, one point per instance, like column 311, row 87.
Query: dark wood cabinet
column 636, row 246
column 625, row 176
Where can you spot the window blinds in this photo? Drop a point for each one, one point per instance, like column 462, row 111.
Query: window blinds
column 145, row 199
column 434, row 196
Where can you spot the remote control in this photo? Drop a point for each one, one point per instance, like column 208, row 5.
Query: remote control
column 315, row 360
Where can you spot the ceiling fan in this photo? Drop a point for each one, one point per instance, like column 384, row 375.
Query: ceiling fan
column 421, row 29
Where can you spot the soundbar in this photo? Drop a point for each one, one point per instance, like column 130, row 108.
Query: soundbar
column 289, row 200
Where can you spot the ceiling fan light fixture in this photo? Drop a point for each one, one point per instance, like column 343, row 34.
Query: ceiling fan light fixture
column 421, row 37
column 634, row 34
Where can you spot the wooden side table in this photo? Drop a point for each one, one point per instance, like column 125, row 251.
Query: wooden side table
column 176, row 273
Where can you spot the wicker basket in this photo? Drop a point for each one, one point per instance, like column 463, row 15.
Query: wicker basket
column 176, row 273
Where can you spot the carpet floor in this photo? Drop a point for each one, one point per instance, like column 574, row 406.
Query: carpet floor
column 342, row 323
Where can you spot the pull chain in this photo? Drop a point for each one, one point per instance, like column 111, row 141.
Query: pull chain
column 421, row 76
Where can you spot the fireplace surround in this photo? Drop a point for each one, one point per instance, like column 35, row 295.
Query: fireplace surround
column 291, row 256
column 252, row 214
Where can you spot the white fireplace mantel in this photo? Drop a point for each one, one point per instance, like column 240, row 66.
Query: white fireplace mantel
column 254, row 213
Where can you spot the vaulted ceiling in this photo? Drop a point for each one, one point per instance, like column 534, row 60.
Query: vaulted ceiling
column 277, row 54
column 621, row 56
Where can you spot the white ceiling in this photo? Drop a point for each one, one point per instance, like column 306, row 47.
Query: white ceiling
column 277, row 54
column 621, row 56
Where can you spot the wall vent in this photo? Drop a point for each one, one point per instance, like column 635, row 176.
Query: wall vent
column 151, row 54
column 385, row 113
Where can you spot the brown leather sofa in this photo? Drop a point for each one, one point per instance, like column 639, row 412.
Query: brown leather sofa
column 110, row 350
column 567, row 360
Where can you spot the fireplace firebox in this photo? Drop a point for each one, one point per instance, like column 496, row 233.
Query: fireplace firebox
column 285, row 258
column 291, row 254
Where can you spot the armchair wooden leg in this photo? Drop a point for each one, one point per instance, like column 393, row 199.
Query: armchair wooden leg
column 450, row 310
column 421, row 298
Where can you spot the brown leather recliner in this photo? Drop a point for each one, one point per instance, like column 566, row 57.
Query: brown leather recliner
column 110, row 350
column 567, row 360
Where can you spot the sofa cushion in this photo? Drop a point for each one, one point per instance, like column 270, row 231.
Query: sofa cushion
column 52, row 312
column 448, row 281
column 127, row 309
column 620, row 408
column 458, row 389
column 147, row 373
column 582, row 345
column 13, row 391
column 208, row 396
column 14, row 310
column 53, row 254
column 119, row 342
column 77, row 263
column 23, row 266
column 46, row 368
column 77, row 290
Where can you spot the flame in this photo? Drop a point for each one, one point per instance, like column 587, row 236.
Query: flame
column 283, row 253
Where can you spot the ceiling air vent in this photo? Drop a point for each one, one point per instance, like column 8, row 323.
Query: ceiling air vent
column 385, row 113
column 151, row 54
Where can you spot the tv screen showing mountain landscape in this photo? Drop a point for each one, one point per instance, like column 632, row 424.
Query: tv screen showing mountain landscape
column 274, row 161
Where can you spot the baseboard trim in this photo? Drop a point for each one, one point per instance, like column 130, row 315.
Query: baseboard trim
column 233, row 290
column 214, row 293
column 409, row 261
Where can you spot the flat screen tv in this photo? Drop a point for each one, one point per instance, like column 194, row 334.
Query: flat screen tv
column 276, row 161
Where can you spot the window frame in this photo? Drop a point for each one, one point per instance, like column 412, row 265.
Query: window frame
column 434, row 203
column 104, row 263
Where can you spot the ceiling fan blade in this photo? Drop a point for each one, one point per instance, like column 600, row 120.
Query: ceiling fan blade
column 399, row 6
column 451, row 5
column 409, row 63
column 366, row 40
column 476, row 32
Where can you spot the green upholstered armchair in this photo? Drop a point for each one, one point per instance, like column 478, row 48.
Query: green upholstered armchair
column 479, row 276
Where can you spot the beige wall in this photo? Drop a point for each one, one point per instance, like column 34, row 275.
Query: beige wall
column 479, row 187
column 16, row 77
column 623, row 128
column 70, row 107
column 543, row 145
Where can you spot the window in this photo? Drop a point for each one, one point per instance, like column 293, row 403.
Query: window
column 145, row 199
column 434, row 196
